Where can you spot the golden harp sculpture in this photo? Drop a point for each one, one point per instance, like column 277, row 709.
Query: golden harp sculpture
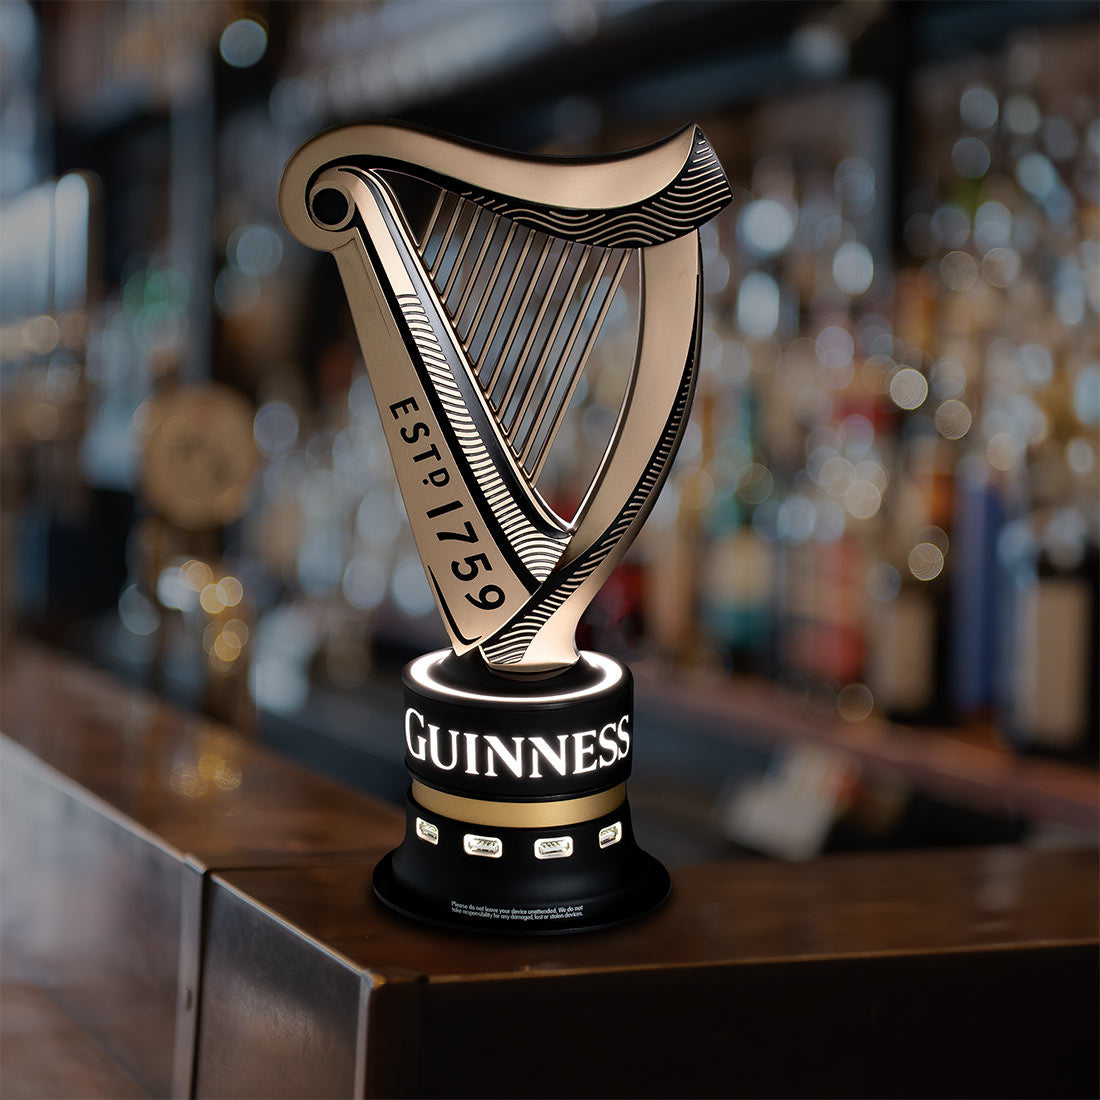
column 475, row 319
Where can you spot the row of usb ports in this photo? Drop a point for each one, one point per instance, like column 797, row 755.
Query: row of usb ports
column 492, row 847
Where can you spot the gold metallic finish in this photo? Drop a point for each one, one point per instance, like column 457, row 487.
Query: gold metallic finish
column 518, row 815
column 521, row 611
column 397, row 382
column 580, row 184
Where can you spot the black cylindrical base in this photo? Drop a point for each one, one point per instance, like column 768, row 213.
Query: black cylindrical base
column 517, row 819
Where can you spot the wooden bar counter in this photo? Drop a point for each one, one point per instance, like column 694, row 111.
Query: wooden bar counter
column 199, row 911
column 115, row 809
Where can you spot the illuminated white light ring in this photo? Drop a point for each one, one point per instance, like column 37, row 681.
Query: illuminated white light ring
column 611, row 675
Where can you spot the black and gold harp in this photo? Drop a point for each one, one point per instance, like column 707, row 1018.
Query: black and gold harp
column 479, row 282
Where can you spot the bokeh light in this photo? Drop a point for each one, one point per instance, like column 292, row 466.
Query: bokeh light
column 243, row 43
column 853, row 268
column 908, row 388
column 926, row 561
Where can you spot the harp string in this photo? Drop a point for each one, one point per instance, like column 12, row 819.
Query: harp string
column 489, row 290
column 527, row 308
column 444, row 241
column 422, row 243
column 563, row 366
column 608, row 296
column 509, row 417
column 456, row 267
column 447, row 260
column 520, row 424
column 519, row 318
column 476, row 274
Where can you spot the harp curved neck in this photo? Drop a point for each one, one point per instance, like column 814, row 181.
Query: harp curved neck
column 631, row 200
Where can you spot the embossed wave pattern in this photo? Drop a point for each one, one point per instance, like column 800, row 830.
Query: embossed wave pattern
column 697, row 194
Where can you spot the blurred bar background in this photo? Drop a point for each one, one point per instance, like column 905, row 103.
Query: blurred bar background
column 864, row 611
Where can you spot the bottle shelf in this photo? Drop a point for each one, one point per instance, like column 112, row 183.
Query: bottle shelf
column 967, row 763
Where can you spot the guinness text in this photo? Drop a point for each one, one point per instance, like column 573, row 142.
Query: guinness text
column 528, row 757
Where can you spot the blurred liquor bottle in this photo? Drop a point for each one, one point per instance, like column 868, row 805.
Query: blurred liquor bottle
column 1054, row 698
column 822, row 609
column 61, row 534
column 737, row 593
column 737, row 562
column 911, row 635
column 910, row 641
column 1051, row 653
column 982, row 506
column 669, row 549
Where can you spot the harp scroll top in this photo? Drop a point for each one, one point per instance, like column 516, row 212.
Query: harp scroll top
column 478, row 312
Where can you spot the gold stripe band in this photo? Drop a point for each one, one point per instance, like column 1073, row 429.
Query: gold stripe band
column 519, row 815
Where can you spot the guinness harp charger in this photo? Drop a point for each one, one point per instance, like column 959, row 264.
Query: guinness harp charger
column 477, row 303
